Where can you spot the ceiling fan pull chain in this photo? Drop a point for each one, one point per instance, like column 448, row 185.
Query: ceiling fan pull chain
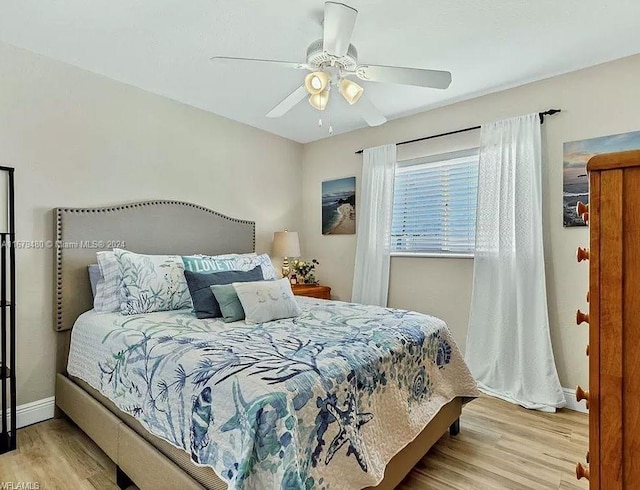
column 320, row 122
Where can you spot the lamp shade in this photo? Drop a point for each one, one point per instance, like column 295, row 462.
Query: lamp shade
column 319, row 101
column 316, row 82
column 286, row 244
column 350, row 90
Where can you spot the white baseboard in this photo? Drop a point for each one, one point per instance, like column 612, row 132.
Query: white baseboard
column 572, row 403
column 34, row 412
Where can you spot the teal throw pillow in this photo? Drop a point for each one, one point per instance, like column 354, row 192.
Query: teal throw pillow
column 230, row 305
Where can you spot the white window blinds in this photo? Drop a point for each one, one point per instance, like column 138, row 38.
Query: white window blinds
column 434, row 205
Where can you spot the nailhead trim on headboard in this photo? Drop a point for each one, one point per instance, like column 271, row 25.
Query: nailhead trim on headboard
column 58, row 269
column 111, row 209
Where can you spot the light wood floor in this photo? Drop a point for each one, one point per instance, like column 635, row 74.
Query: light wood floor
column 500, row 446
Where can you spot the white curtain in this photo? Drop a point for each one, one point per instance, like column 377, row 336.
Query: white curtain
column 373, row 242
column 508, row 343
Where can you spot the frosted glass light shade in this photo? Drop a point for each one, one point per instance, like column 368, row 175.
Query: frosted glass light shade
column 350, row 90
column 286, row 244
column 319, row 101
column 316, row 82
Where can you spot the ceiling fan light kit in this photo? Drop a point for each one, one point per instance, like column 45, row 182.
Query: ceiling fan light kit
column 319, row 101
column 316, row 82
column 350, row 90
column 332, row 58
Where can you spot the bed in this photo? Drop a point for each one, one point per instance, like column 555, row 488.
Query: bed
column 302, row 403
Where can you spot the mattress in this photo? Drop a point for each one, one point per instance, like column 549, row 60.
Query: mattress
column 324, row 400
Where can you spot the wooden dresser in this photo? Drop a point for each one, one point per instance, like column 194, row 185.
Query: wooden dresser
column 613, row 216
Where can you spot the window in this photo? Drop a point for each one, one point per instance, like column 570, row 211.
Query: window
column 434, row 205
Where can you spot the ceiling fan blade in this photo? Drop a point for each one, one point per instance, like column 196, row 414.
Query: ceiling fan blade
column 339, row 21
column 289, row 102
column 404, row 76
column 284, row 64
column 369, row 112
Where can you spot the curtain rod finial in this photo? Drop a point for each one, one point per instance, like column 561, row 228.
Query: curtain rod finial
column 550, row 112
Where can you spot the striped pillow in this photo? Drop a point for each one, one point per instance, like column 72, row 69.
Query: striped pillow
column 107, row 298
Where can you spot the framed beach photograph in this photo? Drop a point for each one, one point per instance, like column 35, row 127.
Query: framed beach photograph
column 339, row 206
column 575, row 178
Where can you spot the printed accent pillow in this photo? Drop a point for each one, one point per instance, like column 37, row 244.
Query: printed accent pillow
column 151, row 283
column 205, row 264
column 231, row 262
column 107, row 297
column 266, row 301
column 204, row 302
column 245, row 263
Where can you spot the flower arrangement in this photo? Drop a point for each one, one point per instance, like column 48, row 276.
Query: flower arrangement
column 304, row 271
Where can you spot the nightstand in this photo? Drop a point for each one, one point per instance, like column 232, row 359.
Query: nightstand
column 312, row 290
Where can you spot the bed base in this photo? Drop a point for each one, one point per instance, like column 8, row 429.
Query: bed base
column 454, row 429
column 139, row 462
column 122, row 480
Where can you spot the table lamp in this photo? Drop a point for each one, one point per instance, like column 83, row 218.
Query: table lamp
column 286, row 245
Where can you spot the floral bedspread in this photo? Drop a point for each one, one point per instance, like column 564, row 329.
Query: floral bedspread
column 321, row 401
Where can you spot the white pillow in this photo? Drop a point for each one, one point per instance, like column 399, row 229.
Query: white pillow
column 265, row 301
column 151, row 283
column 107, row 298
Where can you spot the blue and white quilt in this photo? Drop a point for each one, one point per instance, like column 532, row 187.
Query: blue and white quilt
column 321, row 401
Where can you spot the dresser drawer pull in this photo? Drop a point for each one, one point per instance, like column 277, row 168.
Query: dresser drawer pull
column 586, row 457
column 588, row 296
column 582, row 472
column 587, row 350
column 582, row 395
column 582, row 317
column 582, row 254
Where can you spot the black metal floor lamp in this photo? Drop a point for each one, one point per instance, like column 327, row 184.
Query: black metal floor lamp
column 8, row 432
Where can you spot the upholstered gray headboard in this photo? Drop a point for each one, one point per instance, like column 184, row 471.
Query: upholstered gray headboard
column 152, row 227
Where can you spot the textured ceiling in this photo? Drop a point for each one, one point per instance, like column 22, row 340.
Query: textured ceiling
column 164, row 47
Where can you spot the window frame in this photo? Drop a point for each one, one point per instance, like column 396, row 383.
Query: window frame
column 440, row 157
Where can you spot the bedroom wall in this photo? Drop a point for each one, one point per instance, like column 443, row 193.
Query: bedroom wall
column 79, row 139
column 597, row 101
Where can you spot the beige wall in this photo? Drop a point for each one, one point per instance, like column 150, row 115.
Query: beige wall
column 79, row 139
column 597, row 101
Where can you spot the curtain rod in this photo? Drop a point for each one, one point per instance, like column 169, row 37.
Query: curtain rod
column 550, row 112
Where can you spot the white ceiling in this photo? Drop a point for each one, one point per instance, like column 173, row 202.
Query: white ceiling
column 164, row 46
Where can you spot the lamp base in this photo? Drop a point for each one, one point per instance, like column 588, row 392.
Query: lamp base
column 285, row 268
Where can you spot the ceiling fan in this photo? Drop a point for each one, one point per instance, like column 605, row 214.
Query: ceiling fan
column 332, row 59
